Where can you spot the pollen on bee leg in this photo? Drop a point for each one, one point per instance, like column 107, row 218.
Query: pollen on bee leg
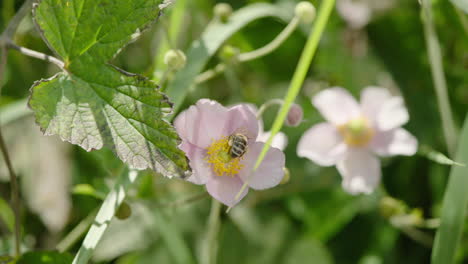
column 217, row 156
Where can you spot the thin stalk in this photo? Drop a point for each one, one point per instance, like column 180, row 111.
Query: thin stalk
column 273, row 45
column 252, row 55
column 438, row 76
column 297, row 80
column 14, row 193
column 210, row 245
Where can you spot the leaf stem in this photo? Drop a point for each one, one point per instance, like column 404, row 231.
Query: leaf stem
column 297, row 80
column 36, row 54
column 438, row 76
column 210, row 247
column 252, row 55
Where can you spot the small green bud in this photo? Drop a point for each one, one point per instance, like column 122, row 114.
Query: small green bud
column 286, row 177
column 305, row 11
column 229, row 53
column 223, row 11
column 124, row 211
column 175, row 59
column 295, row 116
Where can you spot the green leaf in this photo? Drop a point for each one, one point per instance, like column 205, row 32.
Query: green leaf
column 454, row 207
column 6, row 215
column 92, row 103
column 45, row 257
column 437, row 156
column 214, row 36
column 461, row 4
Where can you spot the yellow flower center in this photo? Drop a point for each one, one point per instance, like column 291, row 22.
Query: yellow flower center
column 357, row 132
column 220, row 160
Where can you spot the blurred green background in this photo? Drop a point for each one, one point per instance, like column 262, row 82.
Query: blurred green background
column 308, row 220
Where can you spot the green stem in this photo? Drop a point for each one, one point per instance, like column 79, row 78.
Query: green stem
column 297, row 80
column 267, row 49
column 252, row 55
column 210, row 245
column 438, row 76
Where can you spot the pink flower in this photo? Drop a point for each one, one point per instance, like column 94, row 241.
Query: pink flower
column 205, row 129
column 355, row 133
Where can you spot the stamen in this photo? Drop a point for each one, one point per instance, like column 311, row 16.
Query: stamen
column 219, row 159
column 356, row 132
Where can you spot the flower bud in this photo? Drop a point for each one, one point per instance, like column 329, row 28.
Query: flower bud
column 286, row 177
column 124, row 211
column 175, row 59
column 223, row 11
column 295, row 116
column 229, row 53
column 305, row 11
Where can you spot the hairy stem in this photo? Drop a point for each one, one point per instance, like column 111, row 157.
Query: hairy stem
column 36, row 54
column 438, row 77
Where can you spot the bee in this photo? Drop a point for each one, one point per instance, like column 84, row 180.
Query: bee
column 238, row 144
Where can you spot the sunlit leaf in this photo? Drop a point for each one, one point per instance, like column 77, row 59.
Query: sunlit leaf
column 92, row 103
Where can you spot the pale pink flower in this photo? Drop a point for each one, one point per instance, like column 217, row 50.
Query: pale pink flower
column 355, row 133
column 205, row 129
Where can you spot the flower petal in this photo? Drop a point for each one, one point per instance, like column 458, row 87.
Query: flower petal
column 269, row 173
column 225, row 189
column 322, row 144
column 336, row 105
column 201, row 171
column 280, row 141
column 242, row 120
column 393, row 114
column 372, row 100
column 360, row 171
column 394, row 142
column 202, row 123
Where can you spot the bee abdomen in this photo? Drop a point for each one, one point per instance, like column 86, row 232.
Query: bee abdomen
column 238, row 146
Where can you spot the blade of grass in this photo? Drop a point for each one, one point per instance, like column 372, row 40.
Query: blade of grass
column 454, row 207
column 438, row 76
column 110, row 205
